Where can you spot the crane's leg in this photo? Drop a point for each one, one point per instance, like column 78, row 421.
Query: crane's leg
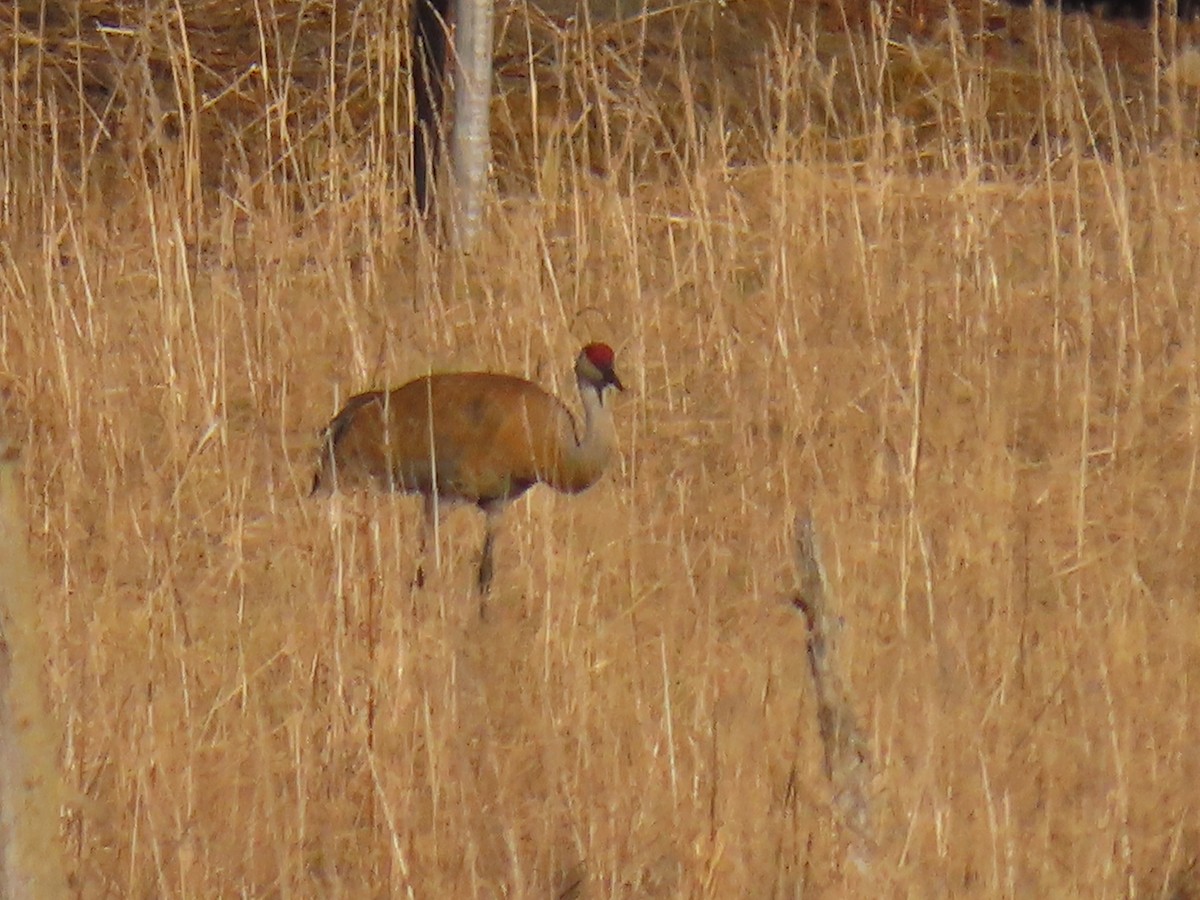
column 485, row 559
column 429, row 540
column 422, row 555
column 492, row 523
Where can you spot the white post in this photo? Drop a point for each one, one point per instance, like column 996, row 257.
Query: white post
column 472, row 106
column 31, row 857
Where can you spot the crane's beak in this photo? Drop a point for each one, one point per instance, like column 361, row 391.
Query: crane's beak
column 610, row 377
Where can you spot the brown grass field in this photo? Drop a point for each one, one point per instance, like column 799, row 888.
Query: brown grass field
column 931, row 278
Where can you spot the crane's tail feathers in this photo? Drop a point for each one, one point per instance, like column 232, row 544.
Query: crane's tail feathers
column 320, row 488
column 324, row 479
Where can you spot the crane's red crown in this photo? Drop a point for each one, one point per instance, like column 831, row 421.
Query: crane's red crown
column 600, row 356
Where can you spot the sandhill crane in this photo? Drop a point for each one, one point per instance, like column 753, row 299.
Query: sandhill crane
column 475, row 437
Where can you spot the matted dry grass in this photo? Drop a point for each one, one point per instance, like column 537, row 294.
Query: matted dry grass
column 938, row 287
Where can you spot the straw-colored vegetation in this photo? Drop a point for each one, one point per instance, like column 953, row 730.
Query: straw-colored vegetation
column 932, row 278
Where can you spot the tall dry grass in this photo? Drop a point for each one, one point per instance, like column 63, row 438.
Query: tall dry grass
column 938, row 289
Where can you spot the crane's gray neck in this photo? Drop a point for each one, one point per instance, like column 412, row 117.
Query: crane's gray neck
column 585, row 461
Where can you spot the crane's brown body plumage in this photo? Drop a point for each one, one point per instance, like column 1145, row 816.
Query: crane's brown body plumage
column 384, row 440
column 474, row 437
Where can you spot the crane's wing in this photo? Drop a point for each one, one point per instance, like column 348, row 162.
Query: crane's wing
column 478, row 436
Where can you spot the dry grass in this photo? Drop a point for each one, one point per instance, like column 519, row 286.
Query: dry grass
column 936, row 283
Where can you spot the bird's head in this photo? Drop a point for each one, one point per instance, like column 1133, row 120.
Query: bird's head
column 594, row 367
